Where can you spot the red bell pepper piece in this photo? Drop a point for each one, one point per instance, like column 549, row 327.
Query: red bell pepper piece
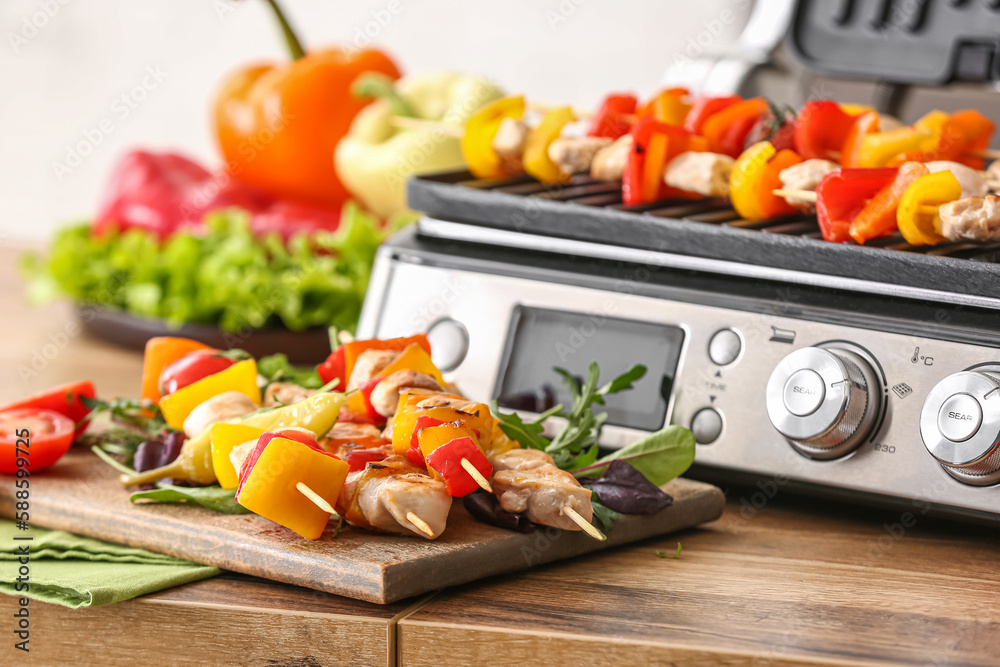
column 611, row 119
column 414, row 453
column 64, row 399
column 265, row 438
column 446, row 460
column 655, row 144
column 704, row 107
column 358, row 459
column 334, row 369
column 821, row 130
column 366, row 389
column 842, row 194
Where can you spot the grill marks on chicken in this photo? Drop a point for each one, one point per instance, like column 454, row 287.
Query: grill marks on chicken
column 527, row 480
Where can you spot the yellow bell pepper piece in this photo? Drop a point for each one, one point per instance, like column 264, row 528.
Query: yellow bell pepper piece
column 224, row 438
column 745, row 179
column 476, row 416
column 481, row 128
column 931, row 124
column 241, row 377
column 918, row 225
column 269, row 487
column 413, row 358
column 317, row 413
column 878, row 148
column 536, row 151
column 432, row 437
column 855, row 109
column 499, row 442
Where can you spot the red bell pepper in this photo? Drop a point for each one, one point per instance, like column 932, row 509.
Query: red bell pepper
column 878, row 217
column 821, row 130
column 842, row 194
column 612, row 118
column 446, row 460
column 358, row 459
column 64, row 399
column 655, row 144
column 704, row 107
column 366, row 389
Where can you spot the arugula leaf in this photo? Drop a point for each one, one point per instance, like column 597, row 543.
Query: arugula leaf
column 623, row 381
column 660, row 553
column 214, row 498
column 107, row 458
column 276, row 368
column 660, row 456
column 529, row 434
column 605, row 516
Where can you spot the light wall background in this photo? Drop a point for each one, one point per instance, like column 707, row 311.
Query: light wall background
column 65, row 64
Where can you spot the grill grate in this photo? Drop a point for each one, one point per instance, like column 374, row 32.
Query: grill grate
column 585, row 191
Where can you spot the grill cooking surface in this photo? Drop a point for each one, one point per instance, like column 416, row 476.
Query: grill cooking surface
column 589, row 210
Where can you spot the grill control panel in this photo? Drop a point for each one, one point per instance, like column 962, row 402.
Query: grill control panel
column 857, row 409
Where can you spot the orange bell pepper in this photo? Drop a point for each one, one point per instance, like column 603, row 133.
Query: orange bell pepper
column 745, row 180
column 667, row 107
column 278, row 125
column 770, row 204
column 863, row 126
column 957, row 138
column 728, row 129
column 269, row 478
column 878, row 217
column 241, row 377
column 160, row 353
column 429, row 439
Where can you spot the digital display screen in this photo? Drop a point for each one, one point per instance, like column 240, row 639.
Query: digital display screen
column 540, row 340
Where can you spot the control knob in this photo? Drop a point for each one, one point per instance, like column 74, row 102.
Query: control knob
column 960, row 426
column 823, row 400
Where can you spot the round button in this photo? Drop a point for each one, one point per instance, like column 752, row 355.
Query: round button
column 706, row 426
column 960, row 417
column 449, row 341
column 724, row 347
column 804, row 392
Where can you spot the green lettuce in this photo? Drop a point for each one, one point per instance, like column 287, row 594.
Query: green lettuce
column 224, row 276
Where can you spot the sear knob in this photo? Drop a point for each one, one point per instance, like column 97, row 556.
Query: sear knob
column 824, row 400
column 960, row 426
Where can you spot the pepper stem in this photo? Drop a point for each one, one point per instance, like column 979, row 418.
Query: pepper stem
column 291, row 39
column 374, row 84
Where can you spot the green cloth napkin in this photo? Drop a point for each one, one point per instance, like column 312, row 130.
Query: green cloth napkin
column 81, row 572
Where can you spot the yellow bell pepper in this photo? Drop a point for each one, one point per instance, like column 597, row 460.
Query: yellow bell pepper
column 745, row 179
column 878, row 148
column 432, row 437
column 917, row 216
column 481, row 128
column 225, row 437
column 476, row 416
column 241, row 377
column 413, row 358
column 317, row 413
column 536, row 151
column 499, row 442
column 931, row 124
column 269, row 486
column 855, row 109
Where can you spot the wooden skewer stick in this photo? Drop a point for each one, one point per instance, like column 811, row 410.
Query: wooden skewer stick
column 476, row 475
column 420, row 524
column 588, row 528
column 316, row 499
column 408, row 123
column 810, row 196
column 988, row 153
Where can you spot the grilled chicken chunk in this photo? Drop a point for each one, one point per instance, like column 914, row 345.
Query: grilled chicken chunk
column 972, row 181
column 704, row 173
column 385, row 396
column 805, row 176
column 971, row 219
column 349, row 431
column 609, row 163
column 382, row 495
column 368, row 365
column 574, row 155
column 526, row 480
column 993, row 176
column 219, row 408
column 511, row 136
column 285, row 393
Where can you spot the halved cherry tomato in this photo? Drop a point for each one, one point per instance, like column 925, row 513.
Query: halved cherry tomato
column 42, row 436
column 64, row 399
column 192, row 367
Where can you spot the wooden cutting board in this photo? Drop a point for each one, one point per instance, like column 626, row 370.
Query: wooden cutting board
column 82, row 495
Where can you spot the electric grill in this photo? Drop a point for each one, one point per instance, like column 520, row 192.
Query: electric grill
column 871, row 373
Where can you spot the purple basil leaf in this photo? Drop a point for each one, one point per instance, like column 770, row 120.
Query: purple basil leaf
column 486, row 508
column 624, row 489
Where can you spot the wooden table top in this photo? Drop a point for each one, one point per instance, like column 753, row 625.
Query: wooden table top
column 796, row 582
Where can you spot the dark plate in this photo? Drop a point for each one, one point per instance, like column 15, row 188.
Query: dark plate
column 307, row 347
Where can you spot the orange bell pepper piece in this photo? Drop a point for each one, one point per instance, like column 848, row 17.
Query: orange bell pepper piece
column 667, row 107
column 160, row 353
column 745, row 179
column 728, row 129
column 269, row 478
column 864, row 125
column 959, row 138
column 770, row 204
column 878, row 217
column 278, row 124
column 429, row 439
